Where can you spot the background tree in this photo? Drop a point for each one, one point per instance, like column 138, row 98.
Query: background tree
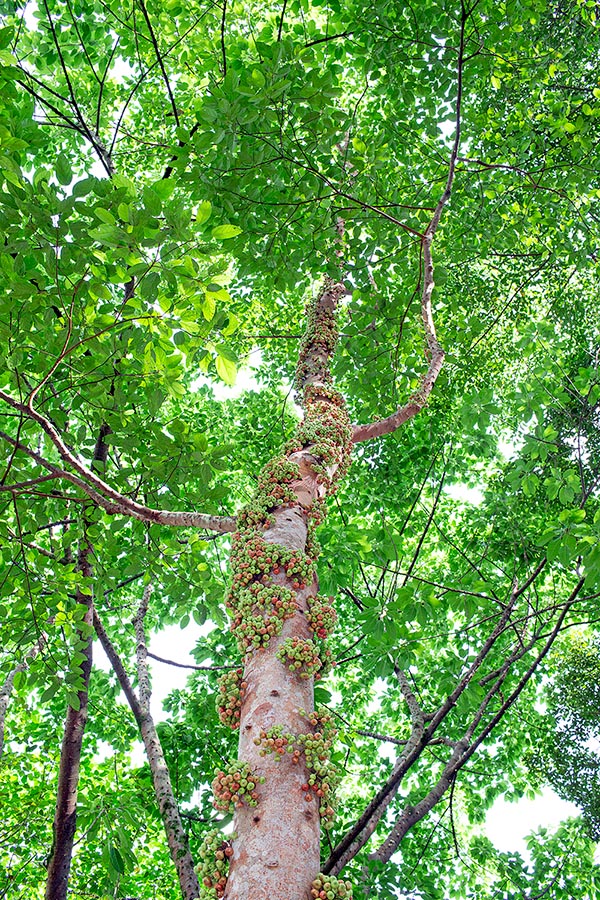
column 178, row 180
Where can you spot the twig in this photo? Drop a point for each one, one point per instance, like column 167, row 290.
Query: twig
column 171, row 662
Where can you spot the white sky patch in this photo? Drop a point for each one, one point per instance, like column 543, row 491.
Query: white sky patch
column 172, row 643
column 507, row 824
column 245, row 381
column 31, row 19
column 177, row 644
column 472, row 495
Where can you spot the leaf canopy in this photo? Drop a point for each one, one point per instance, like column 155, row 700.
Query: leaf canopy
column 175, row 178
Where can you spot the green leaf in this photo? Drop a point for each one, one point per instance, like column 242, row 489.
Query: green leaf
column 105, row 215
column 203, row 212
column 208, row 307
column 224, row 232
column 227, row 369
column 73, row 700
column 6, row 36
column 116, row 860
column 164, row 188
column 64, row 173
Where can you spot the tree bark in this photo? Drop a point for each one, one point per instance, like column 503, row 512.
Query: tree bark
column 65, row 818
column 276, row 849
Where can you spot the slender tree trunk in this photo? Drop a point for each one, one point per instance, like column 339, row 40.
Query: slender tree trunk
column 65, row 817
column 7, row 688
column 276, row 851
column 167, row 804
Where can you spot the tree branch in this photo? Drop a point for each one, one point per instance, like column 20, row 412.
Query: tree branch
column 65, row 818
column 101, row 493
column 433, row 349
column 160, row 61
column 465, row 748
column 7, row 688
column 171, row 662
column 364, row 827
column 142, row 650
column 163, row 789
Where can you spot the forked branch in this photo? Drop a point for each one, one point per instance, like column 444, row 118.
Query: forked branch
column 467, row 746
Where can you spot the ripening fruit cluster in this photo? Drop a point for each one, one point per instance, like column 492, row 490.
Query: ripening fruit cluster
column 300, row 656
column 328, row 887
column 214, row 856
column 322, row 617
column 257, row 606
column 321, row 335
column 327, row 430
column 275, row 740
column 235, row 786
column 316, row 748
column 258, row 613
column 323, row 778
column 229, row 698
column 278, row 471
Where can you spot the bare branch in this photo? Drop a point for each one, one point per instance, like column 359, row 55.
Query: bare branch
column 364, row 827
column 171, row 662
column 159, row 57
column 223, row 47
column 102, row 493
column 65, row 818
column 7, row 688
column 142, row 650
column 23, row 485
column 465, row 748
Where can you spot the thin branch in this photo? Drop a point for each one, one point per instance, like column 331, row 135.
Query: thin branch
column 171, row 662
column 223, row 47
column 163, row 788
column 465, row 749
column 159, row 58
column 361, row 831
column 281, row 19
column 103, row 83
column 7, row 688
column 23, row 485
column 142, row 650
column 101, row 493
column 425, row 530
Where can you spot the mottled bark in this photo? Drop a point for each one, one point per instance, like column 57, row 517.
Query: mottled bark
column 276, row 851
column 167, row 804
column 5, row 692
column 65, row 818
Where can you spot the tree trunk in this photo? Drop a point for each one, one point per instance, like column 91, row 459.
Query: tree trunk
column 65, row 817
column 273, row 603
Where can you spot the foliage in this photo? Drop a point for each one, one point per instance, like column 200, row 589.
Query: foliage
column 570, row 758
column 175, row 179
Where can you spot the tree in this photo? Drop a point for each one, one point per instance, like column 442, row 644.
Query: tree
column 179, row 182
